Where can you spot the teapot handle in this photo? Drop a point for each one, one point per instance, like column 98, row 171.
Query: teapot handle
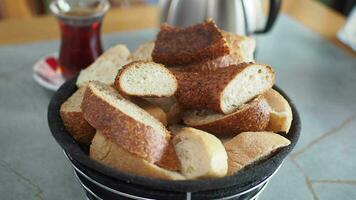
column 274, row 7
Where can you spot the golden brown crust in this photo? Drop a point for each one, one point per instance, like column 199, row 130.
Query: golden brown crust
column 175, row 46
column 117, row 84
column 281, row 113
column 169, row 159
column 235, row 56
column 253, row 117
column 77, row 126
column 248, row 147
column 110, row 154
column 202, row 155
column 208, row 65
column 135, row 137
column 202, row 90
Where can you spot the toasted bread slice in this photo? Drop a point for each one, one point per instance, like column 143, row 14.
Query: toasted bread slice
column 146, row 79
column 249, row 147
column 109, row 153
column 175, row 46
column 143, row 52
column 123, row 122
column 253, row 116
column 106, row 67
column 201, row 154
column 241, row 50
column 169, row 158
column 224, row 89
column 72, row 116
column 281, row 113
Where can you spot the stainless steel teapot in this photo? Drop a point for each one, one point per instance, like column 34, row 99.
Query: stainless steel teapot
column 244, row 17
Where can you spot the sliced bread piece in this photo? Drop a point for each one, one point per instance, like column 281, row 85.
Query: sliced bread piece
column 169, row 158
column 175, row 114
column 175, row 128
column 241, row 50
column 253, row 116
column 124, row 122
column 201, row 154
column 164, row 102
column 242, row 47
column 106, row 67
column 146, row 79
column 250, row 147
column 170, row 106
column 176, row 46
column 281, row 113
column 224, row 89
column 143, row 52
column 72, row 116
column 152, row 109
column 109, row 153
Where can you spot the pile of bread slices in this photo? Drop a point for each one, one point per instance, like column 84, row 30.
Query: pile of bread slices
column 191, row 104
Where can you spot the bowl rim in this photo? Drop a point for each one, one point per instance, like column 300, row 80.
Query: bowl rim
column 244, row 179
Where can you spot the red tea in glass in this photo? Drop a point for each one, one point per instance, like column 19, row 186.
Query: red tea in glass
column 80, row 23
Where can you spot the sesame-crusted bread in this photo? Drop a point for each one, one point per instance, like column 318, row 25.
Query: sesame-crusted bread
column 109, row 153
column 201, row 154
column 143, row 52
column 105, row 68
column 224, row 89
column 183, row 46
column 125, row 123
column 249, row 147
column 241, row 50
column 169, row 158
column 281, row 113
column 146, row 79
column 253, row 116
column 72, row 116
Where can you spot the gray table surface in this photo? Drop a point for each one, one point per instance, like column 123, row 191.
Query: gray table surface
column 318, row 76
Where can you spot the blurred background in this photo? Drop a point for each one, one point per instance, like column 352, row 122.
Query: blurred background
column 31, row 8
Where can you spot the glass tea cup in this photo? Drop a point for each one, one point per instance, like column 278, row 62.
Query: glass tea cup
column 80, row 24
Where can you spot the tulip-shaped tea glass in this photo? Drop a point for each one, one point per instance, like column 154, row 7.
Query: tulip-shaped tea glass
column 80, row 23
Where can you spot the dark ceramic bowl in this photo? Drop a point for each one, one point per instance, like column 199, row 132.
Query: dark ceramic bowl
column 101, row 182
